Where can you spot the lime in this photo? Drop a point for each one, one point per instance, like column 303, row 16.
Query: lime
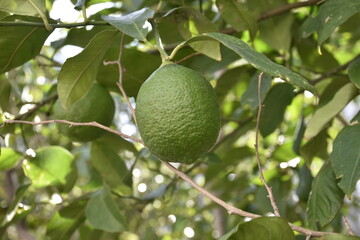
column 177, row 114
column 96, row 106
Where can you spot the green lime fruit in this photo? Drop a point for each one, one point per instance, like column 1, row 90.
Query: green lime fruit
column 97, row 106
column 177, row 114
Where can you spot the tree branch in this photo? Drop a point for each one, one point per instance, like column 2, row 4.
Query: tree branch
column 347, row 225
column 335, row 70
column 268, row 189
column 94, row 124
column 231, row 209
column 121, row 73
column 286, row 8
column 54, row 25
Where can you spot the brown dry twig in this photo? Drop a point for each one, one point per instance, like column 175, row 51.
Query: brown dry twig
column 94, row 124
column 286, row 8
column 335, row 70
column 347, row 225
column 268, row 189
column 121, row 74
column 231, row 209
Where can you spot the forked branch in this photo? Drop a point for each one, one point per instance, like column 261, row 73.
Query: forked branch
column 231, row 209
column 121, row 74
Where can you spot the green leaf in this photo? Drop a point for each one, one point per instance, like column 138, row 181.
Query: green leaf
column 316, row 146
column 276, row 31
column 237, row 15
column 299, row 134
column 19, row 45
column 110, row 167
column 78, row 73
column 257, row 60
column 133, row 24
column 5, row 90
column 311, row 58
column 192, row 23
column 61, row 228
column 354, row 72
column 12, row 209
column 345, row 158
column 118, row 144
column 229, row 234
column 103, row 213
column 80, row 36
column 22, row 7
column 324, row 114
column 263, row 228
column 325, row 199
column 228, row 80
column 80, row 4
column 305, row 180
column 50, row 167
column 276, row 101
column 133, row 75
column 337, row 236
column 284, row 152
column 250, row 96
column 8, row 158
column 331, row 14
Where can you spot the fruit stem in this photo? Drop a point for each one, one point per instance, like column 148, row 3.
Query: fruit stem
column 159, row 45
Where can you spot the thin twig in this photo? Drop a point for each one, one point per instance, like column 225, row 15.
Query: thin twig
column 268, row 189
column 94, row 124
column 233, row 210
column 347, row 225
column 308, row 237
column 118, row 62
column 54, row 25
column 187, row 57
column 286, row 8
column 335, row 70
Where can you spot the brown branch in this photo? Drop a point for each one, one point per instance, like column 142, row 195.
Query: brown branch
column 54, row 25
column 233, row 210
column 94, row 124
column 268, row 189
column 287, row 8
column 347, row 225
column 335, row 70
column 121, row 73
column 187, row 57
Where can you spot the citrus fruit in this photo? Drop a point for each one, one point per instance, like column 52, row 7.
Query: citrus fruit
column 97, row 106
column 177, row 114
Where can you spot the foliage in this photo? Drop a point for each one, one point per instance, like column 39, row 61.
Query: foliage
column 54, row 187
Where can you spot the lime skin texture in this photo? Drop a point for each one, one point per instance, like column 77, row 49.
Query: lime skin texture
column 177, row 114
column 97, row 106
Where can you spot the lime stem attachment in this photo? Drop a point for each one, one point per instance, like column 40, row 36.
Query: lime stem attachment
column 159, row 45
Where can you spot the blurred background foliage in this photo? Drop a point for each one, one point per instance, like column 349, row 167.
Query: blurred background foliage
column 111, row 188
